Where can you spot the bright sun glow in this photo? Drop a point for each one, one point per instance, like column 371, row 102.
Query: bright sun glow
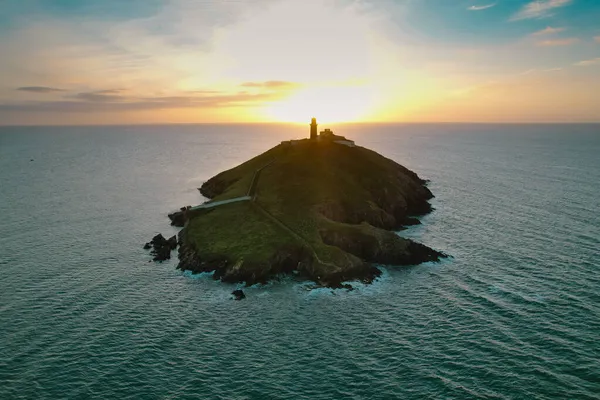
column 329, row 104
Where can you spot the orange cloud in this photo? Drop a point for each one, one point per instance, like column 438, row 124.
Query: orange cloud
column 273, row 85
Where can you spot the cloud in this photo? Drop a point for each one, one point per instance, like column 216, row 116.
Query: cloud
column 108, row 91
column 499, row 83
column 588, row 63
column 529, row 71
column 479, row 8
column 538, row 71
column 270, row 85
column 548, row 31
column 39, row 89
column 100, row 96
column 558, row 42
column 87, row 102
column 204, row 92
column 172, row 46
column 539, row 9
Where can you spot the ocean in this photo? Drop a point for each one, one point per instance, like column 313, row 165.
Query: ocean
column 513, row 314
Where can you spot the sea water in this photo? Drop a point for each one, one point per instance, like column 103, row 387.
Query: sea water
column 513, row 314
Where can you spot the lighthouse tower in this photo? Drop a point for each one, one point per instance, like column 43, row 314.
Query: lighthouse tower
column 313, row 128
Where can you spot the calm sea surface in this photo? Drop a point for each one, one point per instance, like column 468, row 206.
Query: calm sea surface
column 515, row 314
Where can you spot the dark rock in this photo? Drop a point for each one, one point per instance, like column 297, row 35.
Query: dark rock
column 161, row 253
column 379, row 247
column 147, row 246
column 159, row 240
column 161, row 247
column 411, row 221
column 178, row 218
column 172, row 242
column 238, row 294
column 339, row 285
column 420, row 253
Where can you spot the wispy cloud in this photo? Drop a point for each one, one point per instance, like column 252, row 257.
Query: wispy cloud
column 504, row 81
column 100, row 101
column 538, row 71
column 270, row 85
column 109, row 91
column 528, row 72
column 588, row 63
column 558, row 42
column 539, row 9
column 548, row 31
column 110, row 95
column 39, row 89
column 479, row 8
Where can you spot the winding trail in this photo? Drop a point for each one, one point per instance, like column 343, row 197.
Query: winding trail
column 286, row 228
column 251, row 196
column 221, row 202
column 277, row 221
column 254, row 183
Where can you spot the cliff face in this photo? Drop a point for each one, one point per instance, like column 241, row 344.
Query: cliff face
column 320, row 209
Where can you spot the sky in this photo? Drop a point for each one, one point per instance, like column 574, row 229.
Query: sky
column 212, row 61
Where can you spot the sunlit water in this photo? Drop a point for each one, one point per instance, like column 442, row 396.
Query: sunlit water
column 515, row 314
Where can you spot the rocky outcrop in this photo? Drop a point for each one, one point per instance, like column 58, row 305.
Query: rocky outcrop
column 178, row 218
column 161, row 247
column 216, row 185
column 238, row 294
column 379, row 246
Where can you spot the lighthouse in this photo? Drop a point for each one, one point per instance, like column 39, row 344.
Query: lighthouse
column 313, row 128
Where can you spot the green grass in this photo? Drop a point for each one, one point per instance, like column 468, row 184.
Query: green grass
column 309, row 187
column 236, row 181
column 237, row 230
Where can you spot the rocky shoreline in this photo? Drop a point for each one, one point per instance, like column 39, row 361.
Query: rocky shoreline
column 297, row 263
column 330, row 228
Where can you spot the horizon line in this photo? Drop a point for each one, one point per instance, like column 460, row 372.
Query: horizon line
column 301, row 123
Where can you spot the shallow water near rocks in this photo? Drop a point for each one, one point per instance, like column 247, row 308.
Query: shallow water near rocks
column 514, row 313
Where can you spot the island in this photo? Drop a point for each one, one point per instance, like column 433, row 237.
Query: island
column 322, row 208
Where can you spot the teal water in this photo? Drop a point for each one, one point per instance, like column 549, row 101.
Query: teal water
column 515, row 314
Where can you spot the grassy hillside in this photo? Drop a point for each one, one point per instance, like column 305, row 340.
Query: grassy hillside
column 320, row 208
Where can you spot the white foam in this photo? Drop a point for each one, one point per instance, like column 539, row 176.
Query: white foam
column 201, row 275
column 308, row 290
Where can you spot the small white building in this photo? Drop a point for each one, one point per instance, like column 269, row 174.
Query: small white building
column 292, row 142
column 349, row 143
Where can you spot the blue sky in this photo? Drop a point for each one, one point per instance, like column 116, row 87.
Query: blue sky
column 455, row 22
column 144, row 61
